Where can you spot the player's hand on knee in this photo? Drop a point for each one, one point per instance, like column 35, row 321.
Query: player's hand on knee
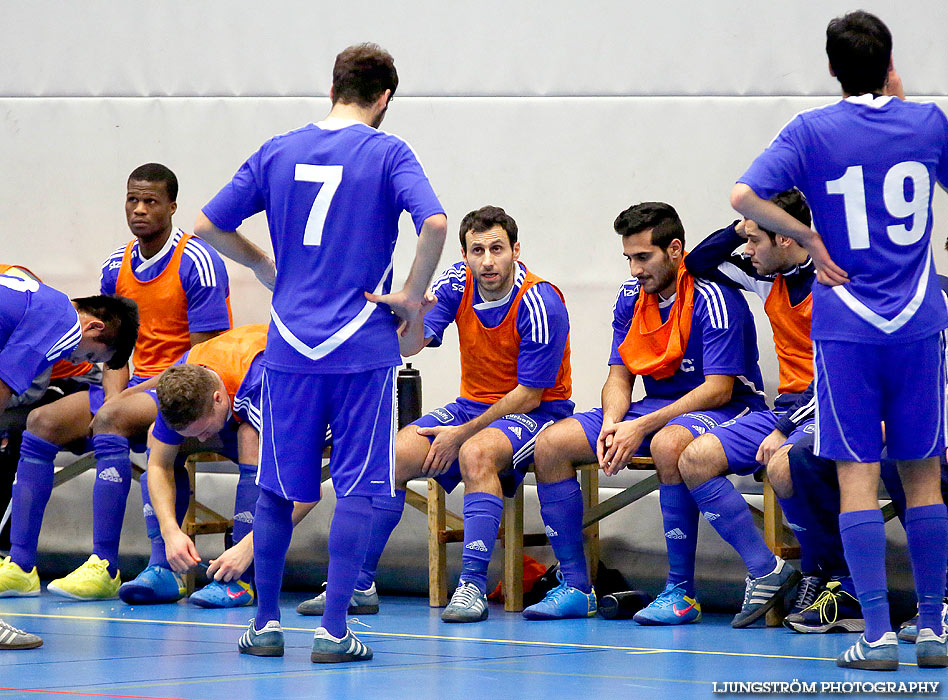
column 443, row 451
column 181, row 552
column 771, row 444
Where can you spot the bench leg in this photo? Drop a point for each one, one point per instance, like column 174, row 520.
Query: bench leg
column 513, row 553
column 589, row 483
column 437, row 562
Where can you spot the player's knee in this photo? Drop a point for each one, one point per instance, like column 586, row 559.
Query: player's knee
column 701, row 460
column 666, row 448
column 548, row 461
column 44, row 422
column 477, row 461
column 778, row 473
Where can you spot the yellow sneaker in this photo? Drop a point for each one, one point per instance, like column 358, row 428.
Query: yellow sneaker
column 91, row 581
column 14, row 581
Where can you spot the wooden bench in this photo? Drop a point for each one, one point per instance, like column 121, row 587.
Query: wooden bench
column 445, row 526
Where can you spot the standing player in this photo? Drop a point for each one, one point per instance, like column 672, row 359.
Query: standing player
column 38, row 326
column 515, row 380
column 180, row 286
column 695, row 346
column 781, row 272
column 333, row 192
column 867, row 166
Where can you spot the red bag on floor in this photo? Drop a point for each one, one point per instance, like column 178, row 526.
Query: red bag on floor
column 532, row 571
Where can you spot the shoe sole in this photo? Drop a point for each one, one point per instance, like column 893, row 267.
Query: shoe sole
column 645, row 622
column 208, row 605
column 19, row 647
column 460, row 619
column 65, row 594
column 932, row 661
column 11, row 593
column 850, row 625
column 262, row 651
column 143, row 596
column 328, row 657
column 543, row 616
column 871, row 665
column 351, row 610
column 768, row 606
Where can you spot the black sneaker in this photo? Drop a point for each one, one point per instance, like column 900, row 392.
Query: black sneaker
column 834, row 610
column 807, row 592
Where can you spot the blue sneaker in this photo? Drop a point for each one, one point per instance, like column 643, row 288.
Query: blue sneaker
column 563, row 602
column 881, row 655
column 672, row 607
column 329, row 650
column 266, row 642
column 235, row 594
column 763, row 593
column 931, row 650
column 909, row 630
column 156, row 584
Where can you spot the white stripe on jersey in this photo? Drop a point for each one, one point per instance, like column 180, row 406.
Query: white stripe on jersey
column 202, row 260
column 337, row 338
column 714, row 299
column 452, row 274
column 68, row 341
column 540, row 332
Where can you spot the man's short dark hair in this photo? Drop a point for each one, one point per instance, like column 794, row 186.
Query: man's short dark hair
column 362, row 73
column 484, row 219
column 156, row 172
column 859, row 47
column 185, row 394
column 120, row 317
column 794, row 203
column 658, row 216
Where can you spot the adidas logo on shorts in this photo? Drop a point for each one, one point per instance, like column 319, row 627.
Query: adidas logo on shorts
column 516, row 430
column 676, row 534
column 711, row 517
column 244, row 517
column 476, row 545
column 147, row 510
column 110, row 474
column 550, row 532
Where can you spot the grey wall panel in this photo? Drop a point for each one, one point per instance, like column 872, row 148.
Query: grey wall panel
column 558, row 47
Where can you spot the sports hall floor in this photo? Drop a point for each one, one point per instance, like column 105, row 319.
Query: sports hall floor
column 111, row 650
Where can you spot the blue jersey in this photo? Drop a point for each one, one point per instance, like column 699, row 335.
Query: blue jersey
column 868, row 167
column 246, row 405
column 542, row 322
column 333, row 193
column 38, row 326
column 723, row 340
column 202, row 273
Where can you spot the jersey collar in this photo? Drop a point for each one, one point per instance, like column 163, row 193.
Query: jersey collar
column 870, row 100
column 176, row 234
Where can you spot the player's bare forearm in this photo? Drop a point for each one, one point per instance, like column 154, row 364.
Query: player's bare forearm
column 413, row 340
column 114, row 381
column 714, row 392
column 769, row 216
column 234, row 245
column 617, row 393
column 427, row 253
column 522, row 399
column 161, row 486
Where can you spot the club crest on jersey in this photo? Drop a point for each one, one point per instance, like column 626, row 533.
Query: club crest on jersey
column 443, row 415
column 524, row 420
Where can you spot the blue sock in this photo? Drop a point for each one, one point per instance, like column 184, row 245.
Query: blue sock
column 348, row 538
column 113, row 478
column 31, row 491
column 807, row 530
column 273, row 527
column 680, row 520
column 863, row 533
column 926, row 528
column 245, row 501
column 482, row 512
column 561, row 506
column 386, row 512
column 182, row 495
column 728, row 513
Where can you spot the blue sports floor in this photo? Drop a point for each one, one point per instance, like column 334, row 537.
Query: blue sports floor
column 111, row 650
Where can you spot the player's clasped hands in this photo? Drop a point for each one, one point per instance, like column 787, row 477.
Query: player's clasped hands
column 617, row 444
column 444, row 450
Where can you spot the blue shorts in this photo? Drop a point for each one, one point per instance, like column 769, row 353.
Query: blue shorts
column 521, row 429
column 697, row 422
column 741, row 438
column 860, row 385
column 297, row 407
column 97, row 393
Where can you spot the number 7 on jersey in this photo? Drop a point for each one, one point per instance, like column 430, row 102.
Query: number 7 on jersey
column 329, row 176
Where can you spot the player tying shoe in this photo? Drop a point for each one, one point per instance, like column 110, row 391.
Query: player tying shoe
column 867, row 165
column 515, row 380
column 694, row 344
column 333, row 192
column 180, row 286
column 781, row 273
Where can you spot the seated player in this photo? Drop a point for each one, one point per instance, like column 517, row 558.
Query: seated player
column 213, row 391
column 180, row 286
column 515, row 380
column 38, row 326
column 781, row 273
column 694, row 344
